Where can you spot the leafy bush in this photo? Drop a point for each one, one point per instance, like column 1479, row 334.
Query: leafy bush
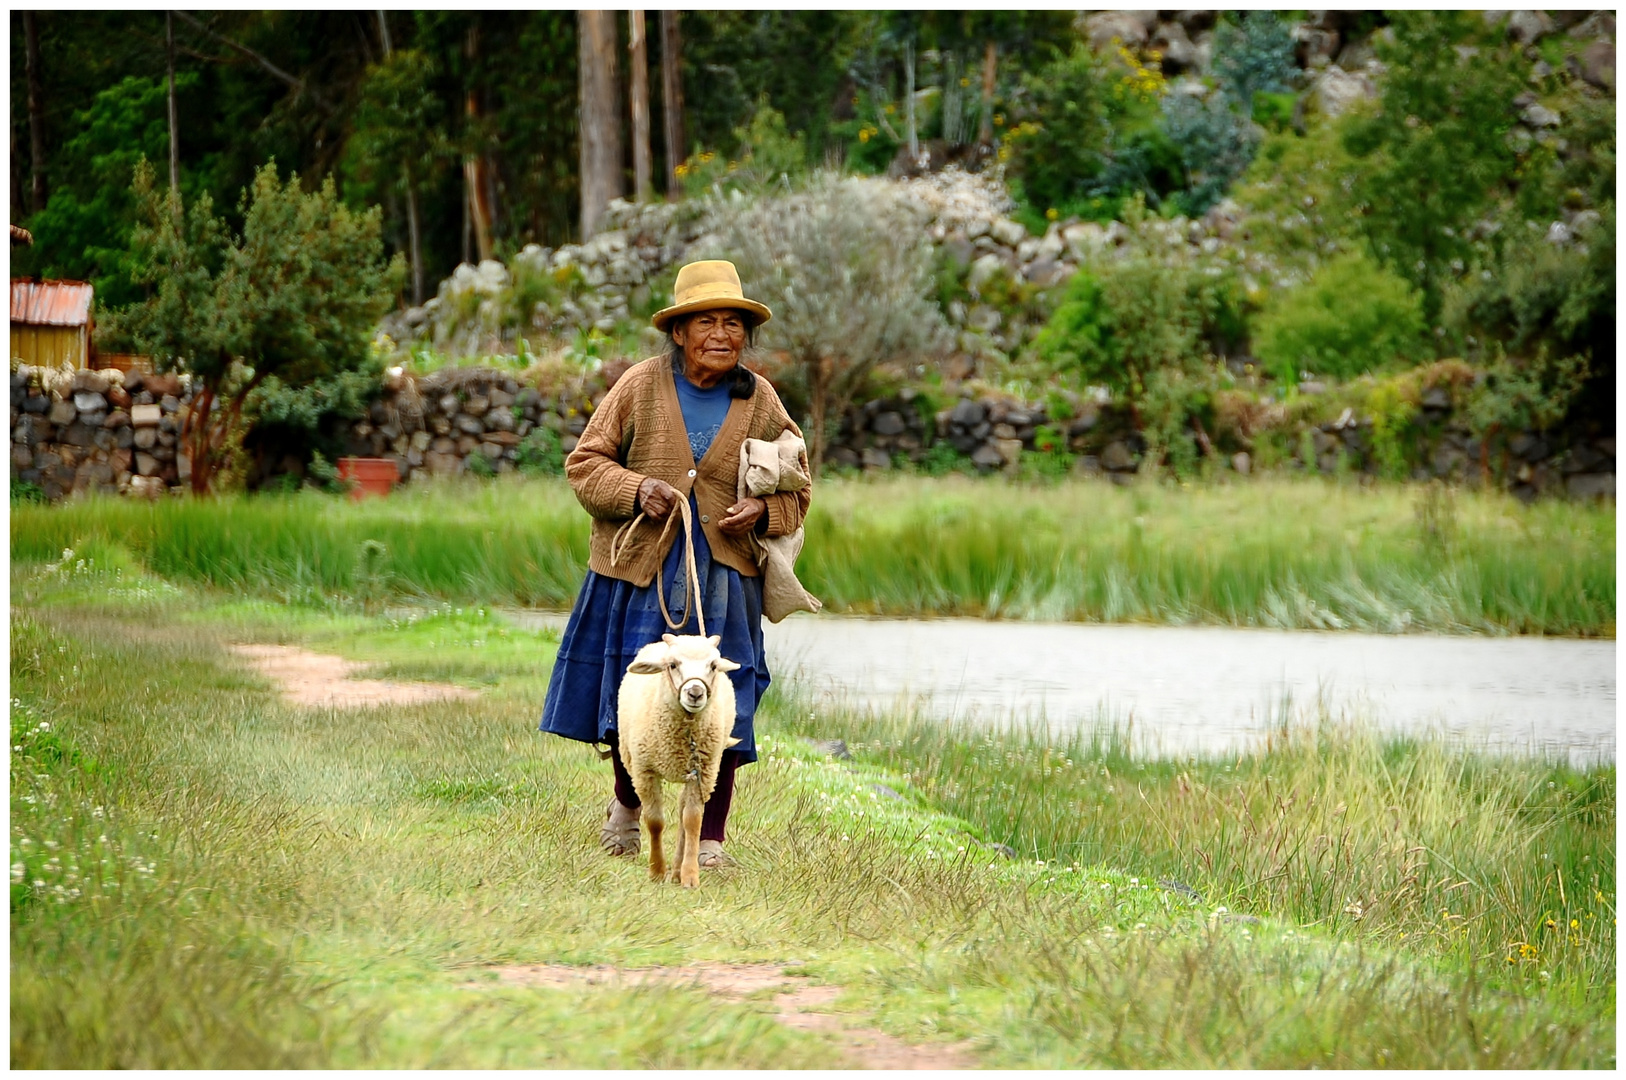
column 1216, row 143
column 1119, row 323
column 540, row 453
column 1351, row 317
column 769, row 154
column 847, row 271
column 1252, row 56
column 1052, row 155
column 1437, row 151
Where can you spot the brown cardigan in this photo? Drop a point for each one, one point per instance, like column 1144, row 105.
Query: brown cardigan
column 636, row 432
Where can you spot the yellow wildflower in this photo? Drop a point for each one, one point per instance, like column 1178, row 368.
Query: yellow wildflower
column 1051, row 215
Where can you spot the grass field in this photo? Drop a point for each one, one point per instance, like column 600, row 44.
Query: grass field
column 203, row 876
column 1306, row 554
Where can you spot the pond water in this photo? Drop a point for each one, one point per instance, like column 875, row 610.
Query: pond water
column 1193, row 689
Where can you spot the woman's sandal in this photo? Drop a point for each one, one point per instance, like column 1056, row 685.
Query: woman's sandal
column 619, row 838
column 711, row 855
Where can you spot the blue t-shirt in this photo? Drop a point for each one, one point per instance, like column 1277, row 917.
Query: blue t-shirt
column 703, row 412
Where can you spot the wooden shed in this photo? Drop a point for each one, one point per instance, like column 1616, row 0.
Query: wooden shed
column 51, row 322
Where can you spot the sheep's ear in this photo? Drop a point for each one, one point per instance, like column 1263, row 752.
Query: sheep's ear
column 725, row 664
column 645, row 667
column 668, row 638
column 715, row 640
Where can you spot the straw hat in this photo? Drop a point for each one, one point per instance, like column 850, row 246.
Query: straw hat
column 702, row 286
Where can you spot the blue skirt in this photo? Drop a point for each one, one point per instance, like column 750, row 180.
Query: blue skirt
column 613, row 619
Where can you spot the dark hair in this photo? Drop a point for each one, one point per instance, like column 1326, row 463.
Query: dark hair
column 741, row 383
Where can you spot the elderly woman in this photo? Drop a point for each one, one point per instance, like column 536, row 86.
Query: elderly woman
column 671, row 428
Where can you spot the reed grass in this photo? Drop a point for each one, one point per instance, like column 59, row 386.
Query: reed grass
column 203, row 876
column 1306, row 554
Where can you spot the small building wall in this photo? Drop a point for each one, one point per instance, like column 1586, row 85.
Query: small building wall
column 50, row 346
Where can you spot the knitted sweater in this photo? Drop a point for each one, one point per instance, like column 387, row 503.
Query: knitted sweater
column 636, row 432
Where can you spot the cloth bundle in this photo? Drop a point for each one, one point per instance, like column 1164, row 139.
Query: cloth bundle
column 766, row 467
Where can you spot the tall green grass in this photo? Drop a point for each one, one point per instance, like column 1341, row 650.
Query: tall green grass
column 1286, row 554
column 203, row 876
column 1505, row 864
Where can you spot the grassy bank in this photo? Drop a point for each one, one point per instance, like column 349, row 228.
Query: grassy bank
column 1293, row 555
column 204, row 876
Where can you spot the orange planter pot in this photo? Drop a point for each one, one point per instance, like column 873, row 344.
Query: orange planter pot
column 373, row 476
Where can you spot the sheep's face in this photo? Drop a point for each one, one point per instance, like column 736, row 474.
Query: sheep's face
column 690, row 664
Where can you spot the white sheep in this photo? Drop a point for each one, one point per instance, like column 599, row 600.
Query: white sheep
column 676, row 709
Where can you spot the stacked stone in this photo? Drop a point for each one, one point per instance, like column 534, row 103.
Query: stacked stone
column 435, row 426
column 102, row 431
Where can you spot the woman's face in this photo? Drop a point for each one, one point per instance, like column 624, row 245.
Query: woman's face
column 712, row 342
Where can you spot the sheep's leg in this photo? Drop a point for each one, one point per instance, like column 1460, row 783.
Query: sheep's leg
column 689, row 863
column 649, row 793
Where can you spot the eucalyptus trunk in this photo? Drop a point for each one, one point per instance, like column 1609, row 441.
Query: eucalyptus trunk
column 600, row 116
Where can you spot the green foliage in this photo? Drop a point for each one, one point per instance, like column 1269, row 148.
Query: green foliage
column 1536, row 294
column 1437, row 150
column 768, row 156
column 1216, row 143
column 295, row 295
column 1253, row 55
column 84, row 231
column 480, row 466
column 398, row 142
column 325, row 475
column 25, row 492
column 1054, row 155
column 1352, row 317
column 1392, row 413
column 540, row 453
column 1119, row 323
column 1532, row 392
column 1299, row 194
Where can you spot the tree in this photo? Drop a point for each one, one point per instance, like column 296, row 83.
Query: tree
column 600, row 116
column 671, row 99
column 638, row 45
column 36, row 111
column 398, row 141
column 846, row 269
column 295, row 295
column 1437, row 149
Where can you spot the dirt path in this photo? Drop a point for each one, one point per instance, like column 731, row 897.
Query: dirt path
column 314, row 680
column 798, row 1004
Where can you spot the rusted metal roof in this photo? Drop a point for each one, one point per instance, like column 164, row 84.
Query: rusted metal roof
column 50, row 303
column 20, row 235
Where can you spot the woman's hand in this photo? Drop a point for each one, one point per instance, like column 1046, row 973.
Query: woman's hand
column 656, row 497
column 743, row 515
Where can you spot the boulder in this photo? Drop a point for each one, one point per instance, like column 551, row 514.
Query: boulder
column 118, row 397
column 1045, row 273
column 79, row 434
column 146, row 464
column 1591, row 485
column 987, row 457
column 871, row 458
column 889, row 423
column 442, row 464
column 968, row 413
column 1242, row 462
column 1131, row 28
column 1526, row 27
column 145, row 438
column 1007, row 232
column 1336, row 91
column 1179, row 54
column 169, row 403
column 983, row 269
column 37, row 403
column 1596, row 64
column 476, row 405
column 116, row 419
column 62, row 413
column 1539, row 116
column 1117, row 457
column 86, row 381
column 843, row 457
column 21, row 456
column 468, row 424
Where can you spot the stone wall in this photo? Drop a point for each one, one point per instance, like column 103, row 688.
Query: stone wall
column 112, row 433
column 103, row 431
